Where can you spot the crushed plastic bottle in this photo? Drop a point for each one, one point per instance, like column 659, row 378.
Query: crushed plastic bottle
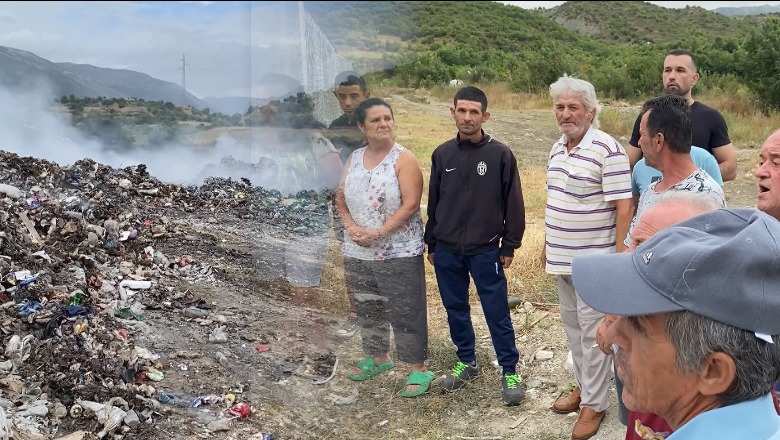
column 76, row 298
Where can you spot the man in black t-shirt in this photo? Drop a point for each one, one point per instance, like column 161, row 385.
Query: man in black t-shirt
column 709, row 128
column 350, row 90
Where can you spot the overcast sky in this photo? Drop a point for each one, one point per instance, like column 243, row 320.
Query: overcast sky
column 226, row 44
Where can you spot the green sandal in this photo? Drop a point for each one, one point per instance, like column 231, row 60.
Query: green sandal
column 423, row 379
column 369, row 368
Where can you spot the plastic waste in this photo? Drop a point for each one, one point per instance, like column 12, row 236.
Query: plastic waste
column 172, row 399
column 34, row 202
column 194, row 312
column 76, row 298
column 135, row 284
column 24, row 277
column 218, row 335
column 242, row 410
column 206, row 400
column 5, row 427
column 154, row 374
column 29, row 307
column 128, row 313
column 80, row 327
column 131, row 419
column 71, row 311
column 11, row 191
column 127, row 288
column 28, row 280
column 107, row 414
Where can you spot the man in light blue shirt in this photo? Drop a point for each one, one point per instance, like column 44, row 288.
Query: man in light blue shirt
column 643, row 174
column 697, row 339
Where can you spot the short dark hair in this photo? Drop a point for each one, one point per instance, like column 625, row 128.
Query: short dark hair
column 670, row 115
column 362, row 109
column 350, row 78
column 471, row 93
column 678, row 52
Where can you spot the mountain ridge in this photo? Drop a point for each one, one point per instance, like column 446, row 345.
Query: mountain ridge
column 21, row 69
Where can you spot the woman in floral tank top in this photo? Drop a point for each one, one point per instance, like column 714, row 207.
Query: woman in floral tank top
column 379, row 204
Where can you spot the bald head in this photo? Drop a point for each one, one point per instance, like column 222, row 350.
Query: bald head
column 768, row 175
column 671, row 208
column 773, row 139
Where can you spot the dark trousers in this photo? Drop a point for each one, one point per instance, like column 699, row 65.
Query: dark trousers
column 452, row 276
column 391, row 293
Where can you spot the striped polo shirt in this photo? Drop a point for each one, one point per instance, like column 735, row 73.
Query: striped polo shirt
column 580, row 217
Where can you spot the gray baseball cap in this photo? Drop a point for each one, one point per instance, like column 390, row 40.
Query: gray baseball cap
column 724, row 265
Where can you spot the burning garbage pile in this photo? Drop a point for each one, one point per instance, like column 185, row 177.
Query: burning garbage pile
column 78, row 263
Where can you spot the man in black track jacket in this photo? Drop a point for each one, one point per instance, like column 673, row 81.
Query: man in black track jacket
column 476, row 220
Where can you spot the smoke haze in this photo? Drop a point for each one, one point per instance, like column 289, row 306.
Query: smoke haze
column 32, row 123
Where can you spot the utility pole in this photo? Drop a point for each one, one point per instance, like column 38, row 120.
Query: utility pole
column 304, row 62
column 183, row 69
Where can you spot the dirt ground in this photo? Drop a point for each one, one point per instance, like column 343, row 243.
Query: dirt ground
column 276, row 342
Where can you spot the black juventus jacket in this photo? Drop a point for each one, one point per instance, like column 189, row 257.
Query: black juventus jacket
column 475, row 201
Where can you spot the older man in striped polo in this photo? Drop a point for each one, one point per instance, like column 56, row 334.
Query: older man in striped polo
column 588, row 211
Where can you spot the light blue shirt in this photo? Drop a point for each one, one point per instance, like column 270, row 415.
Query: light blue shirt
column 644, row 174
column 751, row 420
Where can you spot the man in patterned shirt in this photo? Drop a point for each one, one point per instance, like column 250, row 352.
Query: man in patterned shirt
column 665, row 139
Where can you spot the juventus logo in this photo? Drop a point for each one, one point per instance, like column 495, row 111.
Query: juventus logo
column 481, row 168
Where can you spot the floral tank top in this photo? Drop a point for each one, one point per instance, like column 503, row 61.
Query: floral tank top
column 372, row 197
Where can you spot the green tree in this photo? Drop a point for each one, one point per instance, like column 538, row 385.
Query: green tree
column 762, row 63
column 427, row 70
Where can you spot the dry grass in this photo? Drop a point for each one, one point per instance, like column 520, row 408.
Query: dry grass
column 750, row 131
column 501, row 97
column 618, row 122
column 526, row 277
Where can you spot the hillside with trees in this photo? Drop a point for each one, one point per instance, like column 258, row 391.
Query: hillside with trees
column 636, row 22
column 423, row 44
column 120, row 123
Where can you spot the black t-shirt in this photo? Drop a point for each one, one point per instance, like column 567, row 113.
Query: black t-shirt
column 343, row 121
column 709, row 129
column 345, row 136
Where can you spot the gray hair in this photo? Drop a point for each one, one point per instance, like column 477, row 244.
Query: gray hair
column 698, row 202
column 580, row 87
column 757, row 362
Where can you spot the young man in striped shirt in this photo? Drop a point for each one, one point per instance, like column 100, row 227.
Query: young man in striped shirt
column 588, row 211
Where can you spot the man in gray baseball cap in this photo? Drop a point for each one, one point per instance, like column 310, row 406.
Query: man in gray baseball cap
column 697, row 337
